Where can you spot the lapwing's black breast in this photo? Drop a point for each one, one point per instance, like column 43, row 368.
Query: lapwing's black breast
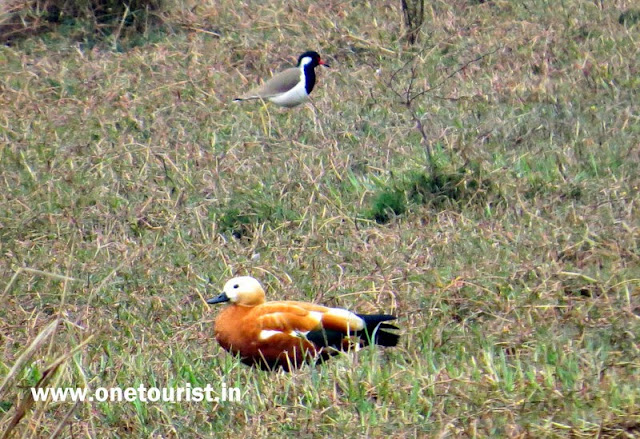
column 310, row 77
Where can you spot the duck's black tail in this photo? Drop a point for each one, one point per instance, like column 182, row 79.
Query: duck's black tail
column 374, row 330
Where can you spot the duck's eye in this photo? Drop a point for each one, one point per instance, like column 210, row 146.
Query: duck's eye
column 236, row 286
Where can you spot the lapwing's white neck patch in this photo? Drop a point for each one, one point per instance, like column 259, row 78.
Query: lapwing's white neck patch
column 306, row 60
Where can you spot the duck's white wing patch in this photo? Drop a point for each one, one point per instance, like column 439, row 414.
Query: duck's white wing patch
column 355, row 323
column 316, row 316
column 268, row 333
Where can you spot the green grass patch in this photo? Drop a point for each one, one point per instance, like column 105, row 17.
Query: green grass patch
column 630, row 17
column 132, row 188
column 438, row 190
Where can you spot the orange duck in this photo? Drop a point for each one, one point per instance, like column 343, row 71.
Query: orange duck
column 287, row 334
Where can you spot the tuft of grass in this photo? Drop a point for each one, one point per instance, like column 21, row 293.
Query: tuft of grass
column 630, row 17
column 506, row 138
column 439, row 190
column 387, row 204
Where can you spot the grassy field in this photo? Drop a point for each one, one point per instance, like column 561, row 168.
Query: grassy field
column 503, row 229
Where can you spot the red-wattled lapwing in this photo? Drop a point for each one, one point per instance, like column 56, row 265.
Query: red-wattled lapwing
column 290, row 87
column 288, row 334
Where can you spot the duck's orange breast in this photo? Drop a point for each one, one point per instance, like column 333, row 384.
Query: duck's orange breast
column 232, row 330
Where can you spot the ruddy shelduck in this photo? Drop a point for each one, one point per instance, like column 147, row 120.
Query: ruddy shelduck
column 287, row 334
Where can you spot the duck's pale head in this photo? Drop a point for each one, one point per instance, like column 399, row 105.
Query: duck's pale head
column 242, row 290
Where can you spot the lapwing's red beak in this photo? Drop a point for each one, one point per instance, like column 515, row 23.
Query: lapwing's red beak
column 322, row 63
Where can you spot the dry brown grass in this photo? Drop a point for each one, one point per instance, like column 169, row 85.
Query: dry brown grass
column 125, row 173
column 21, row 19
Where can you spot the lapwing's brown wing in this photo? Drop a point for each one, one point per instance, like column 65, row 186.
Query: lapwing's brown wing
column 281, row 83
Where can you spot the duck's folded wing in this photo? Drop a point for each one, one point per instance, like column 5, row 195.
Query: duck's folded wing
column 320, row 325
column 300, row 316
column 285, row 317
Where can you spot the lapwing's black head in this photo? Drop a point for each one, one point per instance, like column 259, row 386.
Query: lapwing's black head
column 311, row 59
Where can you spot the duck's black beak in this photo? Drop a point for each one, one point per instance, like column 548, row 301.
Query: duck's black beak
column 221, row 298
